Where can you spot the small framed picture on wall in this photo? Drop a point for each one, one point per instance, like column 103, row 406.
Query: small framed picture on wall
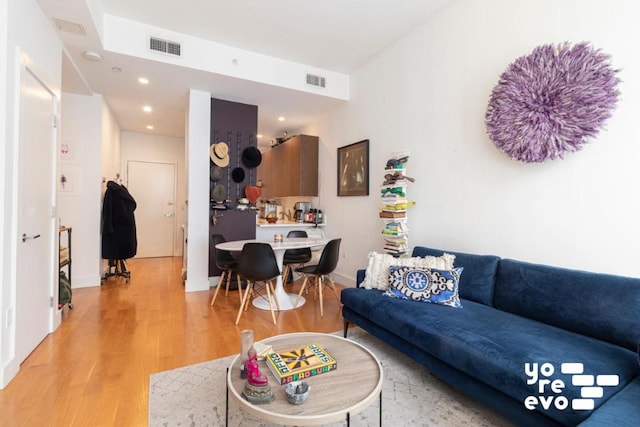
column 353, row 169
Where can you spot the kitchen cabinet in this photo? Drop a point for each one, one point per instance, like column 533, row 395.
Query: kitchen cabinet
column 292, row 168
column 264, row 173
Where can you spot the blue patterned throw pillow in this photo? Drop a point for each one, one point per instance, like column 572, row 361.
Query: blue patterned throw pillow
column 425, row 285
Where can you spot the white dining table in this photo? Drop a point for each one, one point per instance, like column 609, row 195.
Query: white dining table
column 285, row 300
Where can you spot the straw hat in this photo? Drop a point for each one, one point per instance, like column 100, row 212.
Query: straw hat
column 219, row 154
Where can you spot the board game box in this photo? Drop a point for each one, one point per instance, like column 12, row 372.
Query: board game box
column 297, row 363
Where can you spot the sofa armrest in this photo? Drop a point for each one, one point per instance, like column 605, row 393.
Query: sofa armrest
column 621, row 410
column 360, row 277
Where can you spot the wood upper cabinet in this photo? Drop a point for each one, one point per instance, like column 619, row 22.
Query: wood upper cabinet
column 263, row 173
column 291, row 168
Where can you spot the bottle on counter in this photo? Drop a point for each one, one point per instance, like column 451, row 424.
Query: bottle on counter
column 319, row 217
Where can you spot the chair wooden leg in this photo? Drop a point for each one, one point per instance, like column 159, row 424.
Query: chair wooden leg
column 239, row 287
column 243, row 303
column 304, row 284
column 333, row 287
column 320, row 285
column 273, row 315
column 315, row 288
column 218, row 286
column 251, row 295
column 275, row 298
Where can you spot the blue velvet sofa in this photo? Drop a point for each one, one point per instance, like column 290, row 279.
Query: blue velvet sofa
column 518, row 324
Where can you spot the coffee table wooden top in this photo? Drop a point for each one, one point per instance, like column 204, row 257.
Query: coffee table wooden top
column 349, row 389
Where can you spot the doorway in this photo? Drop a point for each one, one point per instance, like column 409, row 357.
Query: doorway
column 153, row 186
column 36, row 213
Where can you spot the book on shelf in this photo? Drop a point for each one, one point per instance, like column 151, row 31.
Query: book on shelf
column 394, row 228
column 298, row 363
column 389, row 214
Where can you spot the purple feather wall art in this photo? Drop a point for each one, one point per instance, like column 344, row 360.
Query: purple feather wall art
column 551, row 101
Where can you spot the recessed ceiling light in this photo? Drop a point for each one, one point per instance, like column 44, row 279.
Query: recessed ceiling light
column 259, row 136
column 90, row 55
column 143, row 81
column 281, row 119
column 150, row 127
column 146, row 109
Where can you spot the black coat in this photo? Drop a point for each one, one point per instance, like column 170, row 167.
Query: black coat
column 118, row 223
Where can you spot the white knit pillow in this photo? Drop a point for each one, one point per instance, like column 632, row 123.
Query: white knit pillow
column 377, row 273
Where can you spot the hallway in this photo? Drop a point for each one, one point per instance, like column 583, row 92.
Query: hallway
column 94, row 370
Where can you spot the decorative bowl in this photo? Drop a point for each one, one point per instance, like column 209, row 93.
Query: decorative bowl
column 297, row 392
column 272, row 220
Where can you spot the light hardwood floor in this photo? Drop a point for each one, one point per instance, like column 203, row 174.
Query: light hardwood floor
column 94, row 369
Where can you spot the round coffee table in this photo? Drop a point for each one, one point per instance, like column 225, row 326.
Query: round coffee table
column 334, row 396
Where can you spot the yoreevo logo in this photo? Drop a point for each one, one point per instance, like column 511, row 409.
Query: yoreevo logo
column 549, row 390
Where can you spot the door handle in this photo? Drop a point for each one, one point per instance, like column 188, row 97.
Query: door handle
column 25, row 237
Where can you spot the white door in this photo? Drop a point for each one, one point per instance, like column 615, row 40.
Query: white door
column 152, row 185
column 35, row 257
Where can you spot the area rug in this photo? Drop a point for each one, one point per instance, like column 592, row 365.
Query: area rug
column 195, row 396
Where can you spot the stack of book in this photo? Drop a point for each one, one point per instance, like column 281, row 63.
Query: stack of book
column 396, row 245
column 394, row 205
column 298, row 363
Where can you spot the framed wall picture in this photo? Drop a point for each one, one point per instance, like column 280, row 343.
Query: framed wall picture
column 353, row 169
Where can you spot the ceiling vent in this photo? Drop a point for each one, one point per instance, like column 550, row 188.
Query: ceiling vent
column 317, row 81
column 165, row 46
column 69, row 27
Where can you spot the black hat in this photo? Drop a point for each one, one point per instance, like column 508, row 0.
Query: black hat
column 251, row 157
column 237, row 174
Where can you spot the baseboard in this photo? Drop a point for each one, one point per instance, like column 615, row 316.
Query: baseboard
column 348, row 282
column 9, row 371
column 193, row 285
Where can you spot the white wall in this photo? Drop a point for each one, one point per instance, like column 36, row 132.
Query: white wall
column 198, row 121
column 79, row 202
column 160, row 149
column 23, row 26
column 111, row 145
column 429, row 92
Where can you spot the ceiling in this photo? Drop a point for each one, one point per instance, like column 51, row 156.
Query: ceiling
column 334, row 35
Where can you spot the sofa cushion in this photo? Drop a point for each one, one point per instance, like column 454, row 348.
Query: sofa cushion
column 479, row 276
column 377, row 272
column 429, row 285
column 494, row 346
column 598, row 305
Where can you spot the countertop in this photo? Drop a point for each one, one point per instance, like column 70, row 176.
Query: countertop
column 263, row 223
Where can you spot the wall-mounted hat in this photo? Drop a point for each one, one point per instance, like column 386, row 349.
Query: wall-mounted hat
column 219, row 193
column 216, row 173
column 251, row 157
column 237, row 174
column 252, row 192
column 219, row 154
